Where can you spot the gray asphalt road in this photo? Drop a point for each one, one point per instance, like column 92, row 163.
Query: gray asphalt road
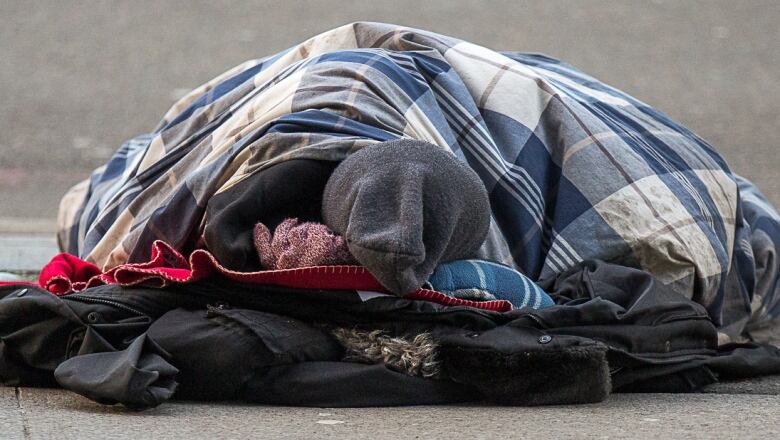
column 44, row 414
column 77, row 78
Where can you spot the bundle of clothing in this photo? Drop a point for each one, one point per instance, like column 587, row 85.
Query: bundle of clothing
column 384, row 216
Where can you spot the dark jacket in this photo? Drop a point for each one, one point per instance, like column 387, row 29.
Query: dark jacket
column 615, row 329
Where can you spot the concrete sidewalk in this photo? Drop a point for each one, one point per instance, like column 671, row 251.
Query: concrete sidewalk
column 43, row 414
column 80, row 77
column 26, row 253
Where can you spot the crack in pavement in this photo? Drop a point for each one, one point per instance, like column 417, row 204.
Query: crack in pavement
column 25, row 422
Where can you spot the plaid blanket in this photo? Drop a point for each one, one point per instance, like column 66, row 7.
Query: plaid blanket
column 575, row 169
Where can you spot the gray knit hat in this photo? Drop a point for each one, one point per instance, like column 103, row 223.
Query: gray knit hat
column 404, row 206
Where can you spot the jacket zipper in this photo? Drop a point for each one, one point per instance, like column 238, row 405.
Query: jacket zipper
column 92, row 299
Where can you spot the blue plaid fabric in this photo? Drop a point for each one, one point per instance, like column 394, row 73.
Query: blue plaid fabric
column 484, row 280
column 575, row 169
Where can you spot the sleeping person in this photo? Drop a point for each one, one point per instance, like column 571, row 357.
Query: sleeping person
column 419, row 149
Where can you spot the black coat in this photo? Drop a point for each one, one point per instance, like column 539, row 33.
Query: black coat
column 615, row 329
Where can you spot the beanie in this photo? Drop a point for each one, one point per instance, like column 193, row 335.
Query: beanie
column 403, row 207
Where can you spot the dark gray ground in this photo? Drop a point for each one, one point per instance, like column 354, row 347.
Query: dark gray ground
column 77, row 78
column 44, row 414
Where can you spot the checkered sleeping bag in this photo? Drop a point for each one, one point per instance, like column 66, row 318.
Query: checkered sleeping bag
column 575, row 169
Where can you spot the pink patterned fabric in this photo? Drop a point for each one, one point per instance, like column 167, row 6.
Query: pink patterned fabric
column 295, row 244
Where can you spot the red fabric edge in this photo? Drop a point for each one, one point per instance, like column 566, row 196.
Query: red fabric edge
column 14, row 283
column 66, row 273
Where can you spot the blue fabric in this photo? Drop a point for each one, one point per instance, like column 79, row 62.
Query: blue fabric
column 464, row 278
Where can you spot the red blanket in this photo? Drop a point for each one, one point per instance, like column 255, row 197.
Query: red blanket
column 66, row 273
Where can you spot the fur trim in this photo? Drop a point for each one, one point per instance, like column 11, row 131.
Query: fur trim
column 416, row 357
column 575, row 374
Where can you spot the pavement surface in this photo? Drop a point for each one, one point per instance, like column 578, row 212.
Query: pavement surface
column 26, row 253
column 79, row 77
column 44, row 414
